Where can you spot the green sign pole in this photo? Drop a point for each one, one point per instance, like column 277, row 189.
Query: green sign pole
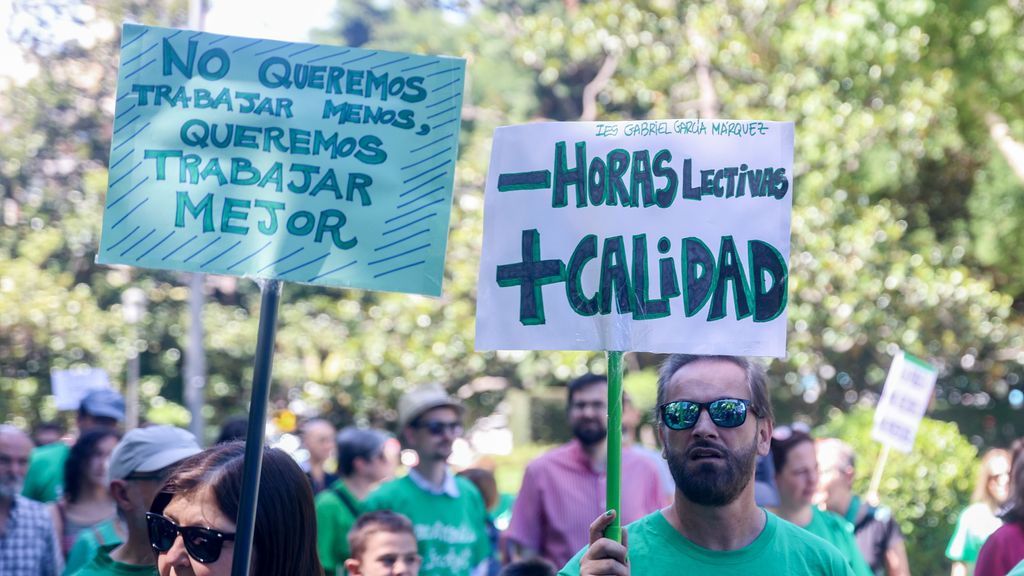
column 253, row 464
column 614, row 484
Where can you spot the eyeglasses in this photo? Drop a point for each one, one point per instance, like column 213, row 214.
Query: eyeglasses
column 438, row 428
column 724, row 412
column 202, row 544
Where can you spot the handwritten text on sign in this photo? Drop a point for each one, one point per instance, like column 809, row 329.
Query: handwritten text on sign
column 316, row 164
column 665, row 236
column 905, row 398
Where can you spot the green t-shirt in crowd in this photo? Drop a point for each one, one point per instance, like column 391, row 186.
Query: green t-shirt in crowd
column 335, row 515
column 837, row 531
column 103, row 565
column 452, row 532
column 88, row 543
column 658, row 549
column 44, row 480
column 974, row 525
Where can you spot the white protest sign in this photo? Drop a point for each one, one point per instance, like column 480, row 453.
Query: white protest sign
column 905, row 398
column 70, row 386
column 654, row 236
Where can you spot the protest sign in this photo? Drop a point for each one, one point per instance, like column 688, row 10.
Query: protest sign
column 291, row 161
column 905, row 399
column 655, row 236
column 70, row 386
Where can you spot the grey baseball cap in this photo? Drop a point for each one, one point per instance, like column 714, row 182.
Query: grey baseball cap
column 150, row 449
column 105, row 403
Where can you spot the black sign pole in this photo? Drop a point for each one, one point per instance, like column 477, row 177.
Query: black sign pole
column 246, row 524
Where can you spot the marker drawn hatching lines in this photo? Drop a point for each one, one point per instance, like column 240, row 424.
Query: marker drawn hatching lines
column 251, row 255
column 281, row 259
column 137, row 56
column 400, row 268
column 400, row 240
column 244, row 46
column 123, row 96
column 413, row 211
column 123, row 158
column 159, row 243
column 211, row 260
column 129, row 139
column 402, row 59
column 411, row 68
column 399, row 255
column 290, row 270
column 342, row 53
column 445, row 111
column 125, row 111
column 126, row 124
column 179, row 248
column 403, row 194
column 448, row 71
column 441, row 139
column 420, row 197
column 139, row 241
column 126, row 194
column 125, row 175
column 427, row 159
column 338, row 269
column 139, row 69
column 363, row 57
column 445, row 99
column 219, row 40
column 129, row 213
column 194, row 36
column 269, row 50
column 404, row 226
column 132, row 41
column 303, row 51
column 201, row 250
column 126, row 236
column 427, row 171
column 436, row 126
column 443, row 86
column 176, row 32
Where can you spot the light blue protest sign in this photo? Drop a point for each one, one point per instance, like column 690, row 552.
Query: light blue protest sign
column 299, row 162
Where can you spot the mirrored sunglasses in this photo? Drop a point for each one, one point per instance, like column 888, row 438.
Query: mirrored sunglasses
column 724, row 412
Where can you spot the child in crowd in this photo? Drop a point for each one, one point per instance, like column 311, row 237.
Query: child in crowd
column 383, row 543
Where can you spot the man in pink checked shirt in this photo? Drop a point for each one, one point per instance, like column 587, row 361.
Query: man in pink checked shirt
column 564, row 490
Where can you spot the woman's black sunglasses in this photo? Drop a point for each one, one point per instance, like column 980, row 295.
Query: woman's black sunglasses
column 724, row 412
column 202, row 544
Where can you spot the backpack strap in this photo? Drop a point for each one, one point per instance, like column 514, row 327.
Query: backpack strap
column 346, row 499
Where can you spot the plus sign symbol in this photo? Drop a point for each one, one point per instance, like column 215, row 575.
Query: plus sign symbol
column 530, row 275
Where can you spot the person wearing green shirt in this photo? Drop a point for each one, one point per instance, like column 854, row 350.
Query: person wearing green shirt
column 44, row 481
column 362, row 464
column 90, row 541
column 796, row 476
column 715, row 418
column 447, row 512
column 139, row 466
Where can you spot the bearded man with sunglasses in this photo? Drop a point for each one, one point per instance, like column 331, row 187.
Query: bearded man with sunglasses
column 447, row 511
column 564, row 489
column 139, row 465
column 714, row 419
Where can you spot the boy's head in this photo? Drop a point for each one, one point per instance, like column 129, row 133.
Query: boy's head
column 383, row 543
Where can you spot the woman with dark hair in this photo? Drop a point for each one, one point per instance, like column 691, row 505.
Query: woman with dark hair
column 192, row 520
column 86, row 502
column 1004, row 549
column 796, row 476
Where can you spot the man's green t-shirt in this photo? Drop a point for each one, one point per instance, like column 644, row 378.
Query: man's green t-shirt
column 452, row 532
column 44, row 480
column 335, row 515
column 838, row 532
column 88, row 543
column 658, row 549
column 103, row 565
column 974, row 525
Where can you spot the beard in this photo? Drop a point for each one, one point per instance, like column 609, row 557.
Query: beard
column 9, row 488
column 707, row 482
column 589, row 432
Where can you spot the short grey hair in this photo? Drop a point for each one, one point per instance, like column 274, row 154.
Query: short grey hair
column 757, row 380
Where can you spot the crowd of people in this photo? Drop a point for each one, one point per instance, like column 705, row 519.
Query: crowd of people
column 728, row 492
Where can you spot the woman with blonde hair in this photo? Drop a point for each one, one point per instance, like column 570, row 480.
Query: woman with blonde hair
column 979, row 520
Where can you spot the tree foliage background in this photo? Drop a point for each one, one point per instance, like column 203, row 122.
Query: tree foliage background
column 907, row 226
